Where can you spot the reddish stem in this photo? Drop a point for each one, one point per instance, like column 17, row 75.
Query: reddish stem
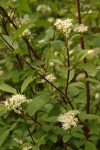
column 85, row 60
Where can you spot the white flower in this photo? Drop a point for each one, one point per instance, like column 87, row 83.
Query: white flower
column 64, row 25
column 56, row 53
column 25, row 19
column 26, row 32
column 14, row 103
column 80, row 28
column 50, row 77
column 43, row 8
column 51, row 64
column 68, row 119
column 18, row 140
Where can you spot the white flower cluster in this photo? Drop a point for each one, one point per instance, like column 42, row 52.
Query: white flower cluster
column 19, row 141
column 50, row 77
column 25, row 19
column 56, row 53
column 66, row 26
column 14, row 103
column 26, row 32
column 68, row 119
column 51, row 63
column 43, row 8
column 80, row 28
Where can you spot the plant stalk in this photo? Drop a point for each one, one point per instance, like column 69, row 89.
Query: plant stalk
column 85, row 60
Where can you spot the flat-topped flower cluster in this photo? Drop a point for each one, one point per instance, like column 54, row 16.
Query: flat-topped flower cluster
column 15, row 102
column 69, row 119
column 64, row 25
column 67, row 25
column 50, row 77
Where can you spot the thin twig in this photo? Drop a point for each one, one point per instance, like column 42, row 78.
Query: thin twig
column 27, row 126
column 68, row 63
column 85, row 60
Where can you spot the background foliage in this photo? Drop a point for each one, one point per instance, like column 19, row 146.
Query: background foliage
column 25, row 59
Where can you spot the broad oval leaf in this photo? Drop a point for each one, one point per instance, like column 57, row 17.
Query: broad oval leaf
column 89, row 68
column 77, row 84
column 51, row 119
column 90, row 146
column 93, row 80
column 7, row 88
column 84, row 116
column 26, row 82
column 38, row 102
column 20, row 30
column 3, row 136
column 71, row 76
column 2, row 107
column 35, row 148
column 10, row 41
column 66, row 138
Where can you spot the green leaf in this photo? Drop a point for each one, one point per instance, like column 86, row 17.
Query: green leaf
column 57, row 61
column 2, row 107
column 90, row 146
column 39, row 137
column 84, row 116
column 38, row 102
column 66, row 138
column 80, row 55
column 49, row 34
column 93, row 80
column 63, row 73
column 59, row 131
column 53, row 138
column 73, row 91
column 57, row 44
column 51, row 119
column 89, row 68
column 20, row 30
column 94, row 40
column 10, row 41
column 20, row 51
column 26, row 82
column 77, row 128
column 35, row 148
column 7, row 88
column 77, row 84
column 71, row 76
column 48, row 107
column 43, row 23
column 24, row 6
column 47, row 127
column 3, row 136
column 78, row 135
column 13, row 126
